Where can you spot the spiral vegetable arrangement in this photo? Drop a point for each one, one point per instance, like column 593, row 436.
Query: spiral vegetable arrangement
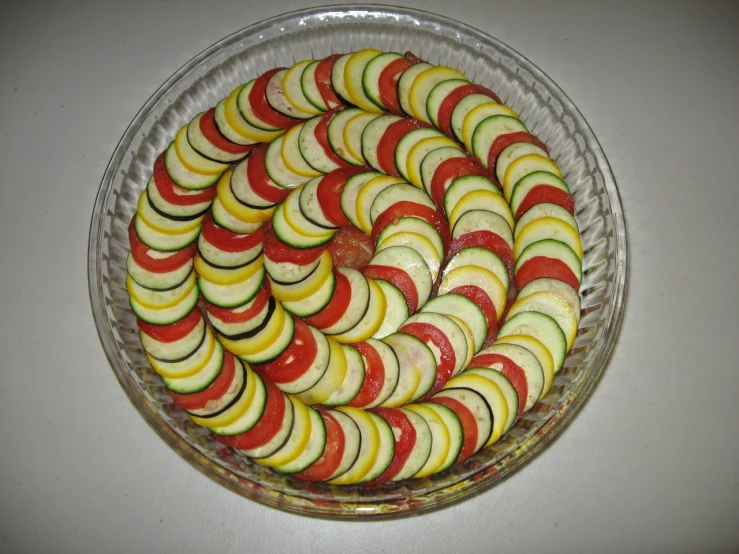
column 455, row 302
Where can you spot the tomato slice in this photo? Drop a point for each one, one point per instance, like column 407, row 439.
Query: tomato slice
column 321, row 134
column 447, row 106
column 260, row 106
column 169, row 190
column 174, row 331
column 323, row 80
column 396, row 277
column 389, row 141
column 228, row 241
column 230, row 316
column 480, row 297
column 374, row 375
column 514, row 372
column 503, row 141
column 405, row 441
column 268, row 425
column 259, row 180
column 469, row 425
column 351, row 248
column 546, row 193
column 407, row 208
column 388, row 84
column 484, row 239
column 213, row 134
column 541, row 266
column 296, row 359
column 452, row 169
column 430, row 334
column 336, row 307
column 219, row 387
column 140, row 253
column 279, row 252
column 329, row 461
column 328, row 193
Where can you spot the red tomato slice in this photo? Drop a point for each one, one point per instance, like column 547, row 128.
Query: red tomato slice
column 296, row 359
column 514, row 372
column 396, row 277
column 503, row 141
column 267, row 427
column 541, row 266
column 213, row 134
column 260, row 106
column 485, row 239
column 328, row 193
column 452, row 169
column 374, row 375
column 453, row 98
column 389, row 141
column 405, row 441
column 278, row 251
column 323, row 80
column 351, row 248
column 321, row 134
column 411, row 209
column 174, row 331
column 259, row 180
column 433, row 335
column 546, row 193
column 219, row 387
column 388, row 84
column 230, row 316
column 336, row 307
column 329, row 461
column 228, row 241
column 480, row 297
column 168, row 189
column 140, row 253
column 469, row 425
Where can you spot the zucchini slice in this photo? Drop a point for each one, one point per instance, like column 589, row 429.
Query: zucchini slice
column 405, row 82
column 292, row 86
column 310, row 89
column 336, row 135
column 396, row 312
column 312, row 150
column 353, row 79
column 438, row 94
column 421, row 448
column 277, row 99
column 524, row 359
column 313, row 449
column 487, row 136
column 371, row 76
column 424, row 83
column 524, row 165
column 353, row 378
column 541, row 327
column 468, row 312
column 479, row 408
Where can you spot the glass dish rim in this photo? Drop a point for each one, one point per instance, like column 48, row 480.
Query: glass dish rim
column 551, row 428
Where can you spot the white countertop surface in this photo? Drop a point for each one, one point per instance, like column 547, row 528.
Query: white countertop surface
column 649, row 464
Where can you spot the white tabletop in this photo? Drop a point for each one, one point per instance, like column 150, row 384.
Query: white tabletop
column 649, row 464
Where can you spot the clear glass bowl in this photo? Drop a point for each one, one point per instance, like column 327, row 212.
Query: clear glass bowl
column 315, row 33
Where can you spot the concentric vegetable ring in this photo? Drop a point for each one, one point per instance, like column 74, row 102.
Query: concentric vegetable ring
column 351, row 295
